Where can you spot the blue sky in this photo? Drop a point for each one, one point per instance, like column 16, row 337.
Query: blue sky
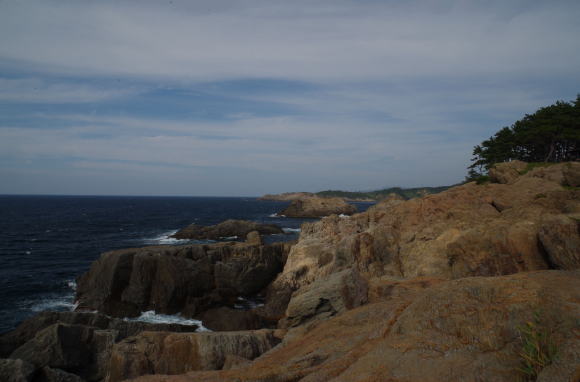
column 242, row 98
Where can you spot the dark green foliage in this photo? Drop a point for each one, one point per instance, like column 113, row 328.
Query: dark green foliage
column 551, row 134
column 538, row 349
column 406, row 193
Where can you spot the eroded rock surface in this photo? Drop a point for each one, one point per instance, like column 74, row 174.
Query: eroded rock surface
column 229, row 228
column 461, row 330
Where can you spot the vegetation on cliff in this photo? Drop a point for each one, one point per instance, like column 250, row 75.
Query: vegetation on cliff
column 406, row 193
column 551, row 135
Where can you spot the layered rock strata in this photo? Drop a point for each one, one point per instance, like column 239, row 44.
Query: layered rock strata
column 184, row 279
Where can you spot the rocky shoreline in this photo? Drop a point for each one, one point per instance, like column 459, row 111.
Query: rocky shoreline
column 438, row 288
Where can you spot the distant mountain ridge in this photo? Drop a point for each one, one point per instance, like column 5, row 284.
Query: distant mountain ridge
column 406, row 193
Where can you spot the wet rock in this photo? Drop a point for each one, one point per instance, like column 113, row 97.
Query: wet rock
column 226, row 229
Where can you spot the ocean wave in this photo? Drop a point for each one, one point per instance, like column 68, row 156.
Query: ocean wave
column 155, row 318
column 59, row 304
column 165, row 238
column 274, row 215
column 290, row 230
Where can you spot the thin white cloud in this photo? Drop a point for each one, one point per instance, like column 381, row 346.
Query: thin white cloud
column 299, row 40
column 32, row 90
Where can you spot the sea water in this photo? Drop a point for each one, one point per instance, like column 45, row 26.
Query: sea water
column 46, row 242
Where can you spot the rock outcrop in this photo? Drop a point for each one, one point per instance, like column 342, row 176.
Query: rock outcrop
column 462, row 330
column 315, row 207
column 177, row 353
column 184, row 279
column 27, row 329
column 227, row 229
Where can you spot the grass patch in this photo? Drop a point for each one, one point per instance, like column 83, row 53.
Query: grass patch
column 538, row 349
column 534, row 165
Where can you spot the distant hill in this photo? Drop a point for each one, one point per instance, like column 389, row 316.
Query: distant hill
column 370, row 196
column 407, row 193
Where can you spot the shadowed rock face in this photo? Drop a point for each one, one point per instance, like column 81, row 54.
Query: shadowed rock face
column 186, row 279
column 228, row 228
column 26, row 331
column 315, row 207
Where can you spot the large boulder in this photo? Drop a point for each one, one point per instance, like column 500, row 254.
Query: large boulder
column 560, row 238
column 326, row 297
column 315, row 207
column 26, row 331
column 227, row 229
column 184, row 279
column 177, row 353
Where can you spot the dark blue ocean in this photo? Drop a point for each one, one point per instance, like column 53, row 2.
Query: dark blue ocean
column 47, row 241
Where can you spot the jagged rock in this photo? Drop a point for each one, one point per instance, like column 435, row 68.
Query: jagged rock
column 187, row 279
column 16, row 370
column 326, row 297
column 176, row 353
column 560, row 238
column 27, row 329
column 507, row 172
column 314, row 207
column 228, row 228
column 228, row 319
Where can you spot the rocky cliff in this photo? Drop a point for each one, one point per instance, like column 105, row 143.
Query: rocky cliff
column 457, row 286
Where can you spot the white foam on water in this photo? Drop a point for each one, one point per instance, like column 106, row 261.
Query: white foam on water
column 52, row 304
column 343, row 216
column 274, row 215
column 72, row 284
column 152, row 317
column 229, row 238
column 165, row 238
column 290, row 230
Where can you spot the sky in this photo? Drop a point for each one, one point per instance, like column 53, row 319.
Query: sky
column 247, row 97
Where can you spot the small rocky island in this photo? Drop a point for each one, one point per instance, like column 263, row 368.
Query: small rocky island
column 228, row 229
column 456, row 286
column 315, row 207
